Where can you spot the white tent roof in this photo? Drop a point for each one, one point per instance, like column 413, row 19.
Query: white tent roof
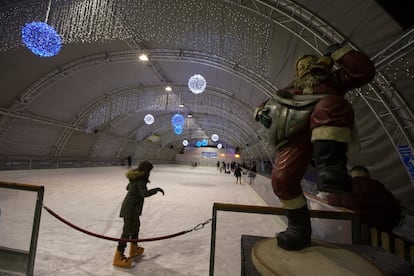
column 89, row 101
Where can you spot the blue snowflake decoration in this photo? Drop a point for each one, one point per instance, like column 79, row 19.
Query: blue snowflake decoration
column 41, row 39
column 204, row 142
column 177, row 120
column 178, row 130
column 198, row 144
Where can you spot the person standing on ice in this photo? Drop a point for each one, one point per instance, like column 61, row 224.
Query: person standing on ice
column 131, row 210
column 310, row 120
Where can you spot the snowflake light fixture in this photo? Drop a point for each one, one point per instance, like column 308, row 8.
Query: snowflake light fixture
column 214, row 137
column 149, row 119
column 178, row 130
column 177, row 120
column 41, row 39
column 185, row 143
column 197, row 84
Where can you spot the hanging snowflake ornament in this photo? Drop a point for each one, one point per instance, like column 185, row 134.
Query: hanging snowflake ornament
column 214, row 137
column 197, row 84
column 149, row 119
column 41, row 39
column 178, row 130
column 177, row 120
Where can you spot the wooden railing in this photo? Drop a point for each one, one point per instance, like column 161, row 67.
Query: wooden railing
column 388, row 241
column 353, row 217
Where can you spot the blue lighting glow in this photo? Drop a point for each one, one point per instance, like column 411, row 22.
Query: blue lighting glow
column 177, row 120
column 41, row 39
column 198, row 143
column 178, row 130
column 204, row 142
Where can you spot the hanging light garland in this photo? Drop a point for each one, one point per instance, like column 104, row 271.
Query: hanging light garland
column 101, row 21
column 197, row 84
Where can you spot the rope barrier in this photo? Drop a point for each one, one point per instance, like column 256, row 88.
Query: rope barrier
column 197, row 227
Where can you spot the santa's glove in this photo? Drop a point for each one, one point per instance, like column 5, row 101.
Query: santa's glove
column 262, row 115
column 333, row 47
column 160, row 190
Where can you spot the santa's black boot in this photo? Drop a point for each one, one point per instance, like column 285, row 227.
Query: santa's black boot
column 330, row 161
column 298, row 234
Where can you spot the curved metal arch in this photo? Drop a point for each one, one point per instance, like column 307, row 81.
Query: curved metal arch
column 246, row 130
column 220, row 96
column 218, row 93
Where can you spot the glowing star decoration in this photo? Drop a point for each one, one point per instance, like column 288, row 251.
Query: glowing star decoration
column 185, row 143
column 197, row 84
column 219, row 146
column 177, row 120
column 41, row 39
column 178, row 130
column 149, row 119
column 214, row 137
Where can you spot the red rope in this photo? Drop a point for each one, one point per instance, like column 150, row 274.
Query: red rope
column 111, row 238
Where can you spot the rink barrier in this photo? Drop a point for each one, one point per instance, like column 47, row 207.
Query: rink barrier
column 353, row 217
column 197, row 227
column 17, row 260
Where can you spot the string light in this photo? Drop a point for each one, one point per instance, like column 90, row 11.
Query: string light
column 239, row 37
column 41, row 39
column 197, row 84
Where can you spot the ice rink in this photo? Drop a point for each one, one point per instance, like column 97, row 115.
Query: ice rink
column 90, row 198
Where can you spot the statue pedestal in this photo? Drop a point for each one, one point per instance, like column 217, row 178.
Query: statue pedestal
column 261, row 256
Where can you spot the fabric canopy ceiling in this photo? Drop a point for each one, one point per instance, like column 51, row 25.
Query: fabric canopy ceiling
column 89, row 101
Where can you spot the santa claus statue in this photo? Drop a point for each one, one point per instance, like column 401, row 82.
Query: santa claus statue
column 311, row 121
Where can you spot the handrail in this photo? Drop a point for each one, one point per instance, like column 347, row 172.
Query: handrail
column 355, row 220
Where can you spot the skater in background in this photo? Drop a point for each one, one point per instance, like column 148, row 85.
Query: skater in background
column 252, row 173
column 238, row 173
column 129, row 160
column 131, row 210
